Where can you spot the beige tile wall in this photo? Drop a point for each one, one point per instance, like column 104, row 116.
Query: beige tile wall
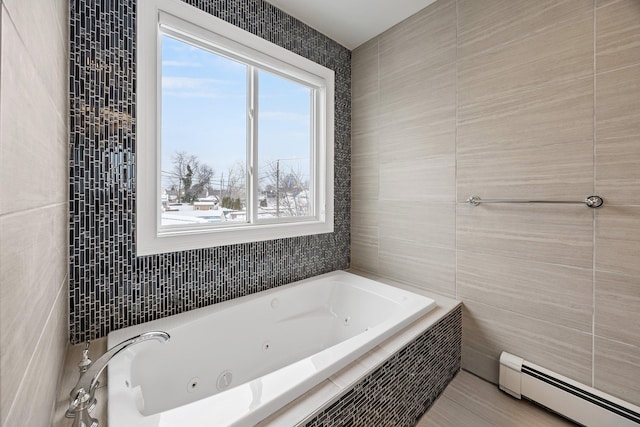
column 33, row 208
column 403, row 151
column 509, row 100
column 617, row 228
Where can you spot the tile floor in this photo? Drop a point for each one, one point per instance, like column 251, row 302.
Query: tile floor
column 470, row 401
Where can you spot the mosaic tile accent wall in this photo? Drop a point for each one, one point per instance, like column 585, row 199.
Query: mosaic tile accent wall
column 110, row 287
column 400, row 391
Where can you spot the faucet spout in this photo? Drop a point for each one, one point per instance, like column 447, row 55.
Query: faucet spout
column 82, row 395
column 89, row 379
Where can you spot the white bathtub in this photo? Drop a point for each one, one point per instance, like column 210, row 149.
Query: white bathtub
column 236, row 362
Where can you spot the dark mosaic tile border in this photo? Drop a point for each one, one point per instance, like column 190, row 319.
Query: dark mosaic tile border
column 399, row 392
column 109, row 287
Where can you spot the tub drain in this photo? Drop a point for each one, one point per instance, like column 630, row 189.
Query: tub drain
column 224, row 380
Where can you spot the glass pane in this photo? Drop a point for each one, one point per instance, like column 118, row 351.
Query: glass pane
column 204, row 134
column 284, row 148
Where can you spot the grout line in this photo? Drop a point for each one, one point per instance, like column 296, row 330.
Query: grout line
column 613, row 70
column 455, row 168
column 33, row 209
column 617, row 341
column 30, row 56
column 58, row 375
column 593, row 272
column 377, row 148
column 606, row 5
column 546, row 321
column 529, row 260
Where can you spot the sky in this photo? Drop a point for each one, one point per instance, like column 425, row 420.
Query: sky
column 204, row 111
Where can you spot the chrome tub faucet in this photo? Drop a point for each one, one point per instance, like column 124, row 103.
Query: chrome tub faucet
column 82, row 397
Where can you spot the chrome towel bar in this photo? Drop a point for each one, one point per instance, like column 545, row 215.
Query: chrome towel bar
column 591, row 201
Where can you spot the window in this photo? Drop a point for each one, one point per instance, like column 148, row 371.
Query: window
column 235, row 135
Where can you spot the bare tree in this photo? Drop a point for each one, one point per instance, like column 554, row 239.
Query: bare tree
column 190, row 177
column 176, row 176
column 233, row 187
column 203, row 176
column 236, row 181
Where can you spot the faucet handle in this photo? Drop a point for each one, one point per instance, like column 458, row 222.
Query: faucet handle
column 79, row 407
column 85, row 362
column 83, row 366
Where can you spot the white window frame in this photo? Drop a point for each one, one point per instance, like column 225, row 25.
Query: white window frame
column 176, row 18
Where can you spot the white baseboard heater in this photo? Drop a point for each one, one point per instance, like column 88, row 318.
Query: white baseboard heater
column 571, row 399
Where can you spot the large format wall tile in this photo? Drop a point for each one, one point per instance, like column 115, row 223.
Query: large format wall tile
column 365, row 176
column 617, row 35
column 417, row 138
column 618, row 103
column 365, row 122
column 44, row 180
column 617, row 303
column 418, row 117
column 364, row 157
column 44, row 30
column 618, row 239
column 538, row 144
column 530, row 288
column 364, row 65
column 559, row 53
column 33, row 208
column 431, row 224
column 40, row 382
column 417, row 107
column 413, row 262
column 617, row 369
column 481, row 364
column 426, row 179
column 364, row 231
column 490, row 330
column 363, row 212
column 421, row 44
column 32, row 268
column 555, row 234
column 364, row 248
column 489, row 23
column 617, row 172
